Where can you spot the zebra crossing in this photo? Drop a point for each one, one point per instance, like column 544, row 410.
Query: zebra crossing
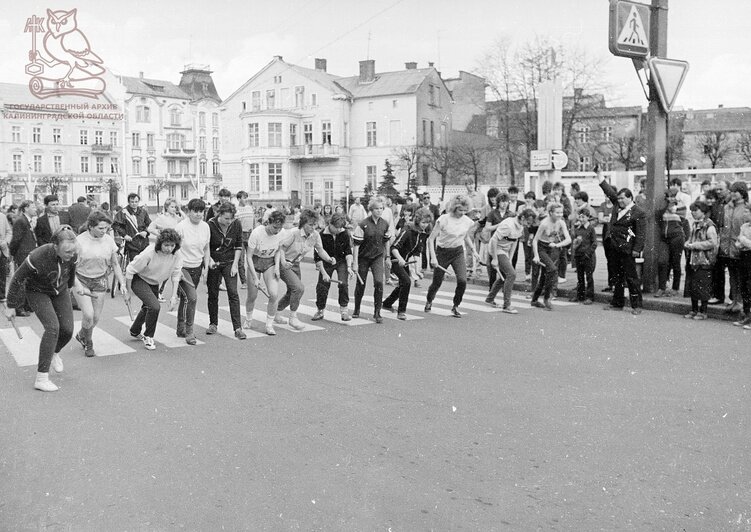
column 111, row 336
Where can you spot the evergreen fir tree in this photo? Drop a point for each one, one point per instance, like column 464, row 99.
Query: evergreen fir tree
column 387, row 188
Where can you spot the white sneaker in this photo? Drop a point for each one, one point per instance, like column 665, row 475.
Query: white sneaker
column 248, row 323
column 281, row 320
column 270, row 329
column 57, row 363
column 296, row 324
column 510, row 310
column 528, row 277
column 148, row 343
column 44, row 384
column 561, row 279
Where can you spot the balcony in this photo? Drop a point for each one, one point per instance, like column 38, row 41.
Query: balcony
column 314, row 152
column 101, row 148
column 181, row 177
column 182, row 151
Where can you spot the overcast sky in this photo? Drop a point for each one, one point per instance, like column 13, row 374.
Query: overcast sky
column 237, row 38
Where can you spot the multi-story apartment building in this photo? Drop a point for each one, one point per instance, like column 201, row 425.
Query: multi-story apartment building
column 303, row 134
column 69, row 145
column 721, row 131
column 173, row 134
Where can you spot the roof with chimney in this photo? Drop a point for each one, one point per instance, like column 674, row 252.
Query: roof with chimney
column 154, row 87
column 197, row 82
column 386, row 83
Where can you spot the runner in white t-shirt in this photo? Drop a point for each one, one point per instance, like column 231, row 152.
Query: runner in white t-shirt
column 263, row 258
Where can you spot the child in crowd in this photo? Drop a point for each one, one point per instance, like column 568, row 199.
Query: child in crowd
column 584, row 246
column 673, row 231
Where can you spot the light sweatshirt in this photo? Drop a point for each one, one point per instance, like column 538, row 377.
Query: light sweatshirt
column 155, row 267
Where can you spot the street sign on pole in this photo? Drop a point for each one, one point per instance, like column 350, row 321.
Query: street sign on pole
column 629, row 28
column 559, row 159
column 668, row 76
column 540, row 160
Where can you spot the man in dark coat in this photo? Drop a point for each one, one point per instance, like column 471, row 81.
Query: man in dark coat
column 225, row 196
column 51, row 220
column 628, row 228
column 78, row 213
column 132, row 224
column 24, row 241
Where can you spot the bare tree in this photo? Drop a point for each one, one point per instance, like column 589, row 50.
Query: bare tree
column 628, row 151
column 52, row 184
column 675, row 142
column 6, row 185
column 715, row 145
column 110, row 185
column 445, row 161
column 156, row 185
column 744, row 146
column 475, row 154
column 408, row 160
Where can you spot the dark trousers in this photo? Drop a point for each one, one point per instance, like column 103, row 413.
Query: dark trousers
column 446, row 257
column 562, row 261
column 607, row 246
column 186, row 311
column 322, row 288
column 374, row 265
column 670, row 260
column 549, row 269
column 528, row 256
column 744, row 280
column 241, row 268
column 718, row 278
column 402, row 291
column 3, row 274
column 56, row 315
column 626, row 275
column 585, row 282
column 213, row 280
column 149, row 313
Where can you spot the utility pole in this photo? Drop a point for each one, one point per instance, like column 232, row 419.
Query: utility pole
column 657, row 120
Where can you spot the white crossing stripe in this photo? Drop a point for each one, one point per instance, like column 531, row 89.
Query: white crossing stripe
column 224, row 327
column 385, row 313
column 464, row 306
column 260, row 315
column 517, row 296
column 438, row 311
column 104, row 343
column 26, row 351
column 327, row 316
column 164, row 335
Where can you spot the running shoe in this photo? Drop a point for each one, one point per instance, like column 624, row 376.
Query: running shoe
column 401, row 316
column 57, row 363
column 319, row 315
column 455, row 312
column 148, row 343
column 510, row 310
column 296, row 324
column 280, row 320
column 270, row 329
column 212, row 329
column 239, row 334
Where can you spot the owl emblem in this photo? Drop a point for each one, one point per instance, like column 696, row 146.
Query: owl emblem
column 68, row 46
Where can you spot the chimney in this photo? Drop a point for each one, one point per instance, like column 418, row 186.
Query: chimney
column 279, row 58
column 430, row 64
column 320, row 64
column 367, row 71
column 720, row 106
column 140, row 75
column 578, row 93
column 411, row 65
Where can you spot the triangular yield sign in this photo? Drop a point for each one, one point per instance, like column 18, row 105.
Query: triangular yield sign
column 633, row 33
column 668, row 76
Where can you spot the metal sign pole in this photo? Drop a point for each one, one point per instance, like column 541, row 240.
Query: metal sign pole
column 657, row 146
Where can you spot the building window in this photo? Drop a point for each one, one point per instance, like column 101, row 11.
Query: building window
column 313, row 99
column 424, row 132
column 307, row 131
column 171, row 191
column 582, row 133
column 328, row 192
column 608, row 133
column 215, row 142
column 152, row 193
column 371, row 176
column 37, row 163
column 98, row 137
column 184, row 190
column 394, row 103
column 293, row 134
column 175, row 141
column 17, row 162
column 201, row 119
column 150, row 141
column 16, row 134
column 114, row 165
column 275, row 176
column 99, row 164
column 36, row 135
column 136, row 140
column 299, row 97
column 432, row 133
column 434, row 96
column 136, row 166
column 84, row 137
column 326, row 132
column 202, row 168
column 584, row 162
column 270, row 97
column 255, row 100
column 215, row 167
column 143, row 113
column 275, row 134
column 113, row 138
column 277, row 79
column 308, row 195
column 175, row 116
column 84, row 165
column 151, row 167
column 214, row 120
column 171, row 166
column 255, row 177
column 57, row 162
column 245, row 106
column 253, row 135
column 56, row 135
column 370, row 133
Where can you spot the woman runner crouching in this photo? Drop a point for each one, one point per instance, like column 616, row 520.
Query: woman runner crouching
column 263, row 257
column 44, row 279
column 551, row 236
column 407, row 245
column 446, row 248
column 97, row 253
column 143, row 276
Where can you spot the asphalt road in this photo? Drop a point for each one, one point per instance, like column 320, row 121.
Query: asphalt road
column 576, row 419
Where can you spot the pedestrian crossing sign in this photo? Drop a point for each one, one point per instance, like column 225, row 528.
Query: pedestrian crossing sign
column 629, row 28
